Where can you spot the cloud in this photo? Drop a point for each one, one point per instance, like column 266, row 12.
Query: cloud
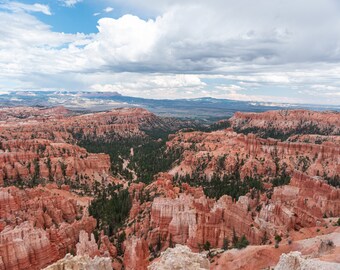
column 70, row 3
column 154, row 85
column 283, row 47
column 105, row 10
column 108, row 9
column 19, row 7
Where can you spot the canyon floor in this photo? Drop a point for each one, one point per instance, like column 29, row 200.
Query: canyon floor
column 127, row 189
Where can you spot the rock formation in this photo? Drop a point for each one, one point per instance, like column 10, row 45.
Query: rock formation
column 294, row 261
column 39, row 226
column 43, row 159
column 320, row 247
column 288, row 122
column 40, row 205
column 40, row 143
column 180, row 257
column 65, row 127
column 81, row 262
column 184, row 215
column 14, row 113
column 223, row 151
column 26, row 247
column 87, row 245
column 136, row 254
column 193, row 222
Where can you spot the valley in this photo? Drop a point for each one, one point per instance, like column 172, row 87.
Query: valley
column 128, row 189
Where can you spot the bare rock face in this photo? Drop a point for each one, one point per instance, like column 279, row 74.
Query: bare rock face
column 178, row 258
column 288, row 122
column 59, row 125
column 193, row 222
column 40, row 143
column 45, row 159
column 295, row 261
column 309, row 196
column 186, row 216
column 87, row 245
column 39, row 205
column 312, row 138
column 136, row 254
column 26, row 247
column 106, row 247
column 14, row 113
column 38, row 227
column 223, row 151
column 81, row 262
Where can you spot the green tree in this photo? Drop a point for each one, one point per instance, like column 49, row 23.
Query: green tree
column 225, row 243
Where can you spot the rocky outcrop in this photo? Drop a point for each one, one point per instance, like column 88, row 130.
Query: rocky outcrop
column 44, row 159
column 87, row 245
column 301, row 204
column 136, row 254
column 39, row 205
column 287, row 122
column 315, row 247
column 315, row 139
column 64, row 127
column 310, row 194
column 295, row 261
column 193, row 222
column 41, row 143
column 184, row 215
column 14, row 113
column 39, row 226
column 28, row 247
column 180, row 257
column 106, row 247
column 81, row 262
column 222, row 152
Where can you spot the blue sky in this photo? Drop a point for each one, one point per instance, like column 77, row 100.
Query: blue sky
column 264, row 50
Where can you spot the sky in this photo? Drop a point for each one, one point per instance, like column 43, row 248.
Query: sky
column 263, row 50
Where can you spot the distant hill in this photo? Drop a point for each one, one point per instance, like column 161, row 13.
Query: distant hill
column 205, row 108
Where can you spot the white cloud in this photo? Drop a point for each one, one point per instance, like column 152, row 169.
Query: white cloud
column 153, row 85
column 70, row 3
column 243, row 44
column 108, row 9
column 124, row 40
column 17, row 7
column 230, row 88
column 105, row 10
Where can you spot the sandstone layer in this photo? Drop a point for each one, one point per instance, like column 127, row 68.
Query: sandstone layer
column 39, row 226
column 288, row 122
column 184, row 215
column 225, row 151
column 81, row 263
column 180, row 257
column 294, row 261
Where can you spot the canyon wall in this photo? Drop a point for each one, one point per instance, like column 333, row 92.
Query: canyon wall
column 288, row 122
column 38, row 227
column 224, row 151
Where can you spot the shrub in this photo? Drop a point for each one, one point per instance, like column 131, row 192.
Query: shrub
column 278, row 238
column 225, row 244
column 242, row 243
